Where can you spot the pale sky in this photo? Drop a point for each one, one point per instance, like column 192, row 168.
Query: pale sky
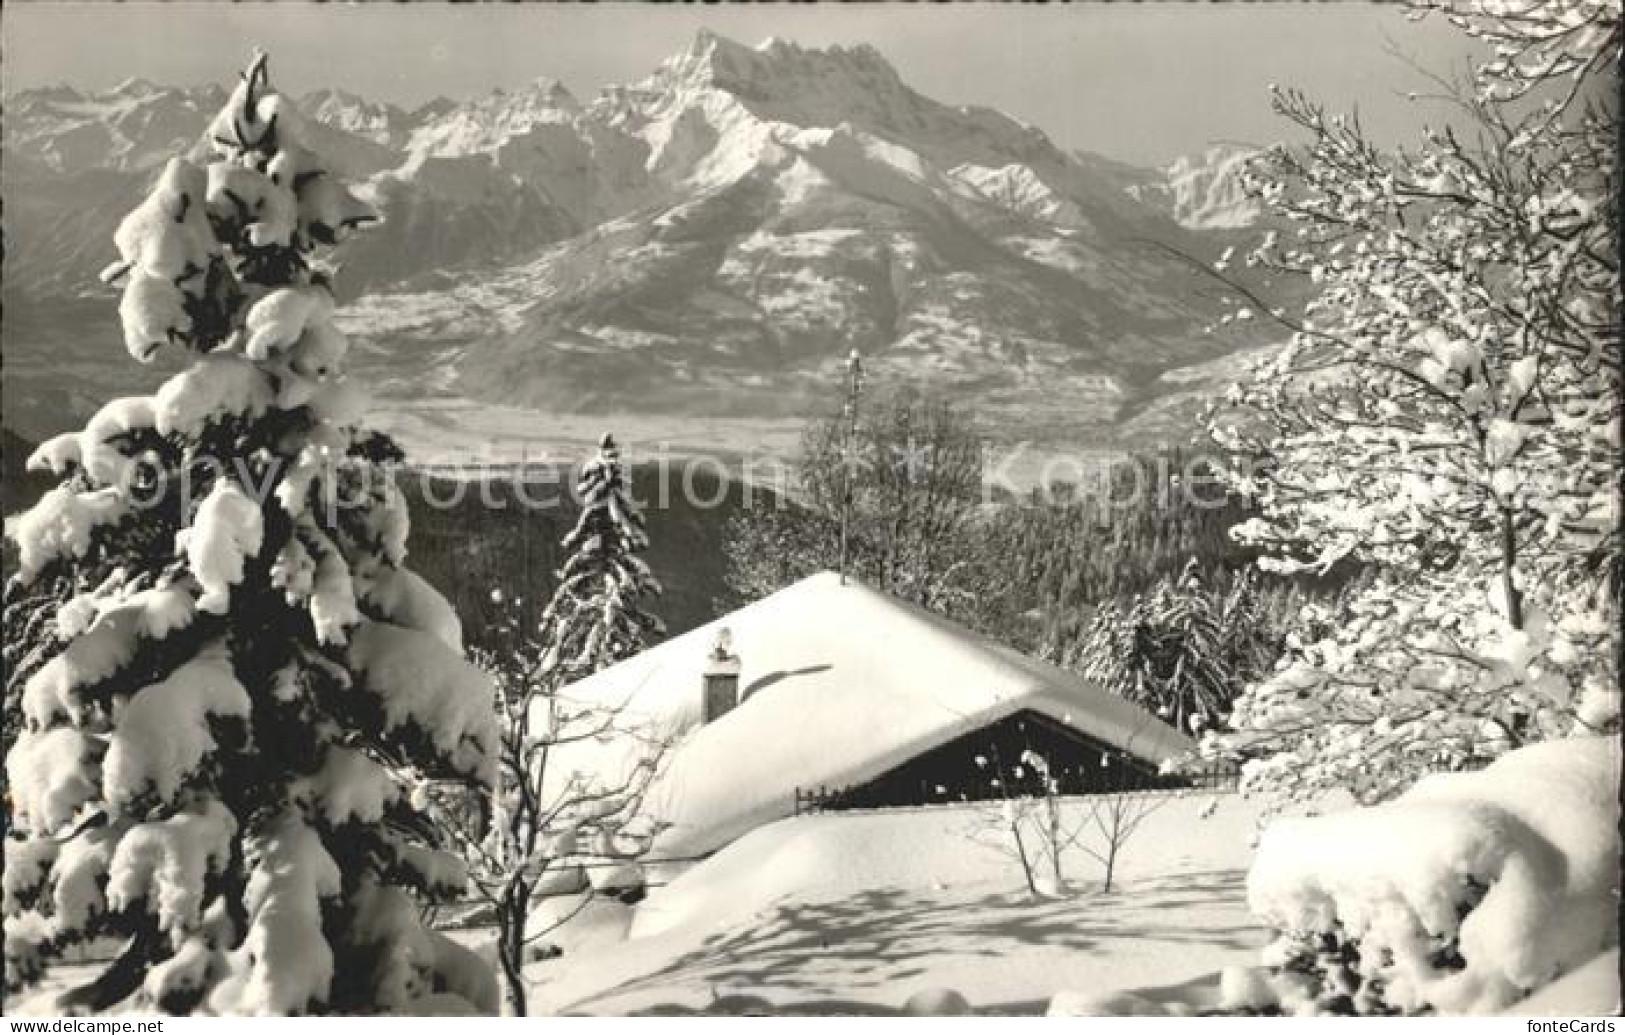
column 1139, row 82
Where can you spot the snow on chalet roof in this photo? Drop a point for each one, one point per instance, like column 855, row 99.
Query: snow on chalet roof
column 839, row 684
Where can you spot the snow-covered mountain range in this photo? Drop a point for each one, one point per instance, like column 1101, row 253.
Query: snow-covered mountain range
column 711, row 240
column 1205, row 191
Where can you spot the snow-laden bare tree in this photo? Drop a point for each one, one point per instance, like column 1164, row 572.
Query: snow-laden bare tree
column 912, row 467
column 568, row 820
column 1107, row 823
column 239, row 670
column 561, row 832
column 1031, row 819
column 597, row 615
column 1007, row 822
column 1446, row 411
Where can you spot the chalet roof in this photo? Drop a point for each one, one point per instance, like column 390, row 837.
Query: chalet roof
column 841, row 683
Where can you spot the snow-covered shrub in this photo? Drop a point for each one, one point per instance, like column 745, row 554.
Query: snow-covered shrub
column 937, row 1002
column 227, row 672
column 1446, row 412
column 1460, row 896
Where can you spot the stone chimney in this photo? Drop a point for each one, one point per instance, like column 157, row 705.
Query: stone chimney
column 721, row 678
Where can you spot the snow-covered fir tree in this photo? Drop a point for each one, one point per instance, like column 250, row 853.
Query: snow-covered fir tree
column 597, row 615
column 239, row 674
column 1446, row 412
column 1183, row 649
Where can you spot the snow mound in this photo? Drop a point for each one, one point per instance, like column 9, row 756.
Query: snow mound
column 579, row 922
column 47, row 778
column 1464, row 893
column 1112, row 1004
column 227, row 531
column 407, row 599
column 290, row 874
column 165, row 862
column 937, row 1002
column 1588, row 991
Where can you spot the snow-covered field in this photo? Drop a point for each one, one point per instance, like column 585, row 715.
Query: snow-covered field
column 858, row 912
column 866, row 912
column 862, row 912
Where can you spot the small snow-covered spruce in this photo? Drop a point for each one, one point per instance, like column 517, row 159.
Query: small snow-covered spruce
column 227, row 670
column 1182, row 650
column 557, row 837
column 596, row 616
column 1447, row 414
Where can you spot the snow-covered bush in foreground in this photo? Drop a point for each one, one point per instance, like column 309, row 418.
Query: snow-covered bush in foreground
column 1461, row 896
column 239, row 670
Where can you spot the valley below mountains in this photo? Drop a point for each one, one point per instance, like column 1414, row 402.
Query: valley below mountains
column 698, row 252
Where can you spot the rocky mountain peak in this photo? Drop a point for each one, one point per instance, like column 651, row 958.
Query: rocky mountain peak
column 773, row 69
column 381, row 122
column 549, row 93
column 135, row 86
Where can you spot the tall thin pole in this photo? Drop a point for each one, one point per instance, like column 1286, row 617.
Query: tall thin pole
column 854, row 386
column 526, row 586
